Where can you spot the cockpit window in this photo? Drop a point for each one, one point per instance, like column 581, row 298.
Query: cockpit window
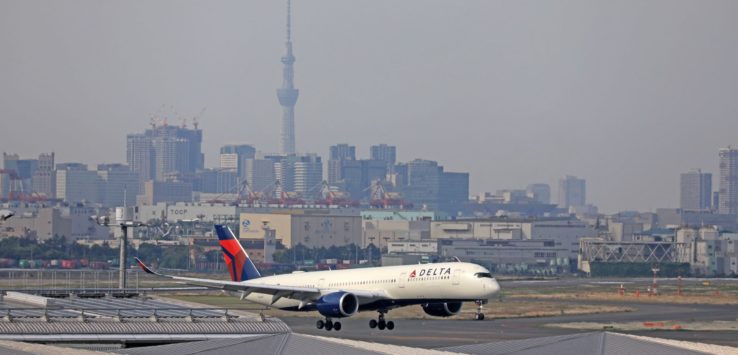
column 483, row 274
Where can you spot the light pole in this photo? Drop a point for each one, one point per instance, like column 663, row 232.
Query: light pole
column 121, row 220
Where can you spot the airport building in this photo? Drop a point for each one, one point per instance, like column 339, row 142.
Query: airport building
column 44, row 222
column 311, row 228
column 556, row 228
column 181, row 211
column 549, row 256
column 165, row 191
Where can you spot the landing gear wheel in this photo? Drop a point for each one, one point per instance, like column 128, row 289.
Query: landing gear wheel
column 320, row 324
column 479, row 315
column 337, row 326
column 382, row 324
column 390, row 325
column 328, row 325
column 372, row 324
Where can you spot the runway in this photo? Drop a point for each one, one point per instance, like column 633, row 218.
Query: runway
column 442, row 333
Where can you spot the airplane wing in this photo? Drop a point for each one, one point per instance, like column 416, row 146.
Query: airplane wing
column 277, row 291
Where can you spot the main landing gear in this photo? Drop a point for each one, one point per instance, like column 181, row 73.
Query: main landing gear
column 328, row 324
column 381, row 323
column 479, row 315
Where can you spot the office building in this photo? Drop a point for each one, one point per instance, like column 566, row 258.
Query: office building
column 259, row 173
column 386, row 153
column 23, row 168
column 302, row 174
column 572, row 192
column 540, row 193
column 358, row 175
column 216, row 181
column 728, row 181
column 423, row 183
column 342, row 152
column 337, row 154
column 165, row 151
column 308, row 175
column 165, row 191
column 233, row 157
column 453, row 191
column 695, row 191
column 44, row 178
column 118, row 185
column 75, row 183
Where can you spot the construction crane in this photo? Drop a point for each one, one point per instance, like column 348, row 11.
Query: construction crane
column 16, row 192
column 335, row 198
column 243, row 192
column 381, row 198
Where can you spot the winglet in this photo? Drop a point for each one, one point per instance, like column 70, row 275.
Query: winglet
column 144, row 267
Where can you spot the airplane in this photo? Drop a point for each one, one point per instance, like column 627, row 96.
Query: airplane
column 440, row 288
column 6, row 214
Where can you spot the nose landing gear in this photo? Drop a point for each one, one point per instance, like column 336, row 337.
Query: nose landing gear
column 328, row 324
column 479, row 315
column 381, row 323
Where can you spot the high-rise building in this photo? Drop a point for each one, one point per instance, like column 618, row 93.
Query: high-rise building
column 216, row 181
column 287, row 94
column 259, row 173
column 165, row 191
column 233, row 157
column 384, row 152
column 44, row 178
column 300, row 173
column 140, row 157
column 540, row 193
column 342, row 152
column 728, row 181
column 118, row 185
column 357, row 176
column 696, row 191
column 23, row 168
column 74, row 183
column 336, row 155
column 572, row 192
column 308, row 176
column 453, row 190
column 165, row 151
column 423, row 183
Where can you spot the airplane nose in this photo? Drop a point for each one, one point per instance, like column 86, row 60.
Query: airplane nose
column 493, row 287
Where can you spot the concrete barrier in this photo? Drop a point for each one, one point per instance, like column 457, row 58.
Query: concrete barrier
column 29, row 299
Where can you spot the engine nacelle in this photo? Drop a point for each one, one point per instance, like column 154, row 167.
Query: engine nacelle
column 338, row 304
column 446, row 309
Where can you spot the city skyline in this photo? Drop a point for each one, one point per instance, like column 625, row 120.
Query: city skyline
column 620, row 114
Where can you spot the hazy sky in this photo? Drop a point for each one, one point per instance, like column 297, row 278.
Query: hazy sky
column 626, row 94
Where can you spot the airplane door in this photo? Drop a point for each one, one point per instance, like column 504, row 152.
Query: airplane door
column 455, row 277
column 321, row 284
column 401, row 280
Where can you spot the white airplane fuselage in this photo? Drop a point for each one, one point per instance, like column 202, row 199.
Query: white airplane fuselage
column 404, row 285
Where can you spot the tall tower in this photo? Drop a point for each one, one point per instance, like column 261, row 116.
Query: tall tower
column 287, row 94
column 728, row 191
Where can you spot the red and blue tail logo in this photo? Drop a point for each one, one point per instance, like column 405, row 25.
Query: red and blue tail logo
column 238, row 262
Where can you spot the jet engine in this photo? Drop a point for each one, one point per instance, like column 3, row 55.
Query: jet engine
column 338, row 304
column 446, row 309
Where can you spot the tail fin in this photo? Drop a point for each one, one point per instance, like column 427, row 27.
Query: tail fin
column 238, row 262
